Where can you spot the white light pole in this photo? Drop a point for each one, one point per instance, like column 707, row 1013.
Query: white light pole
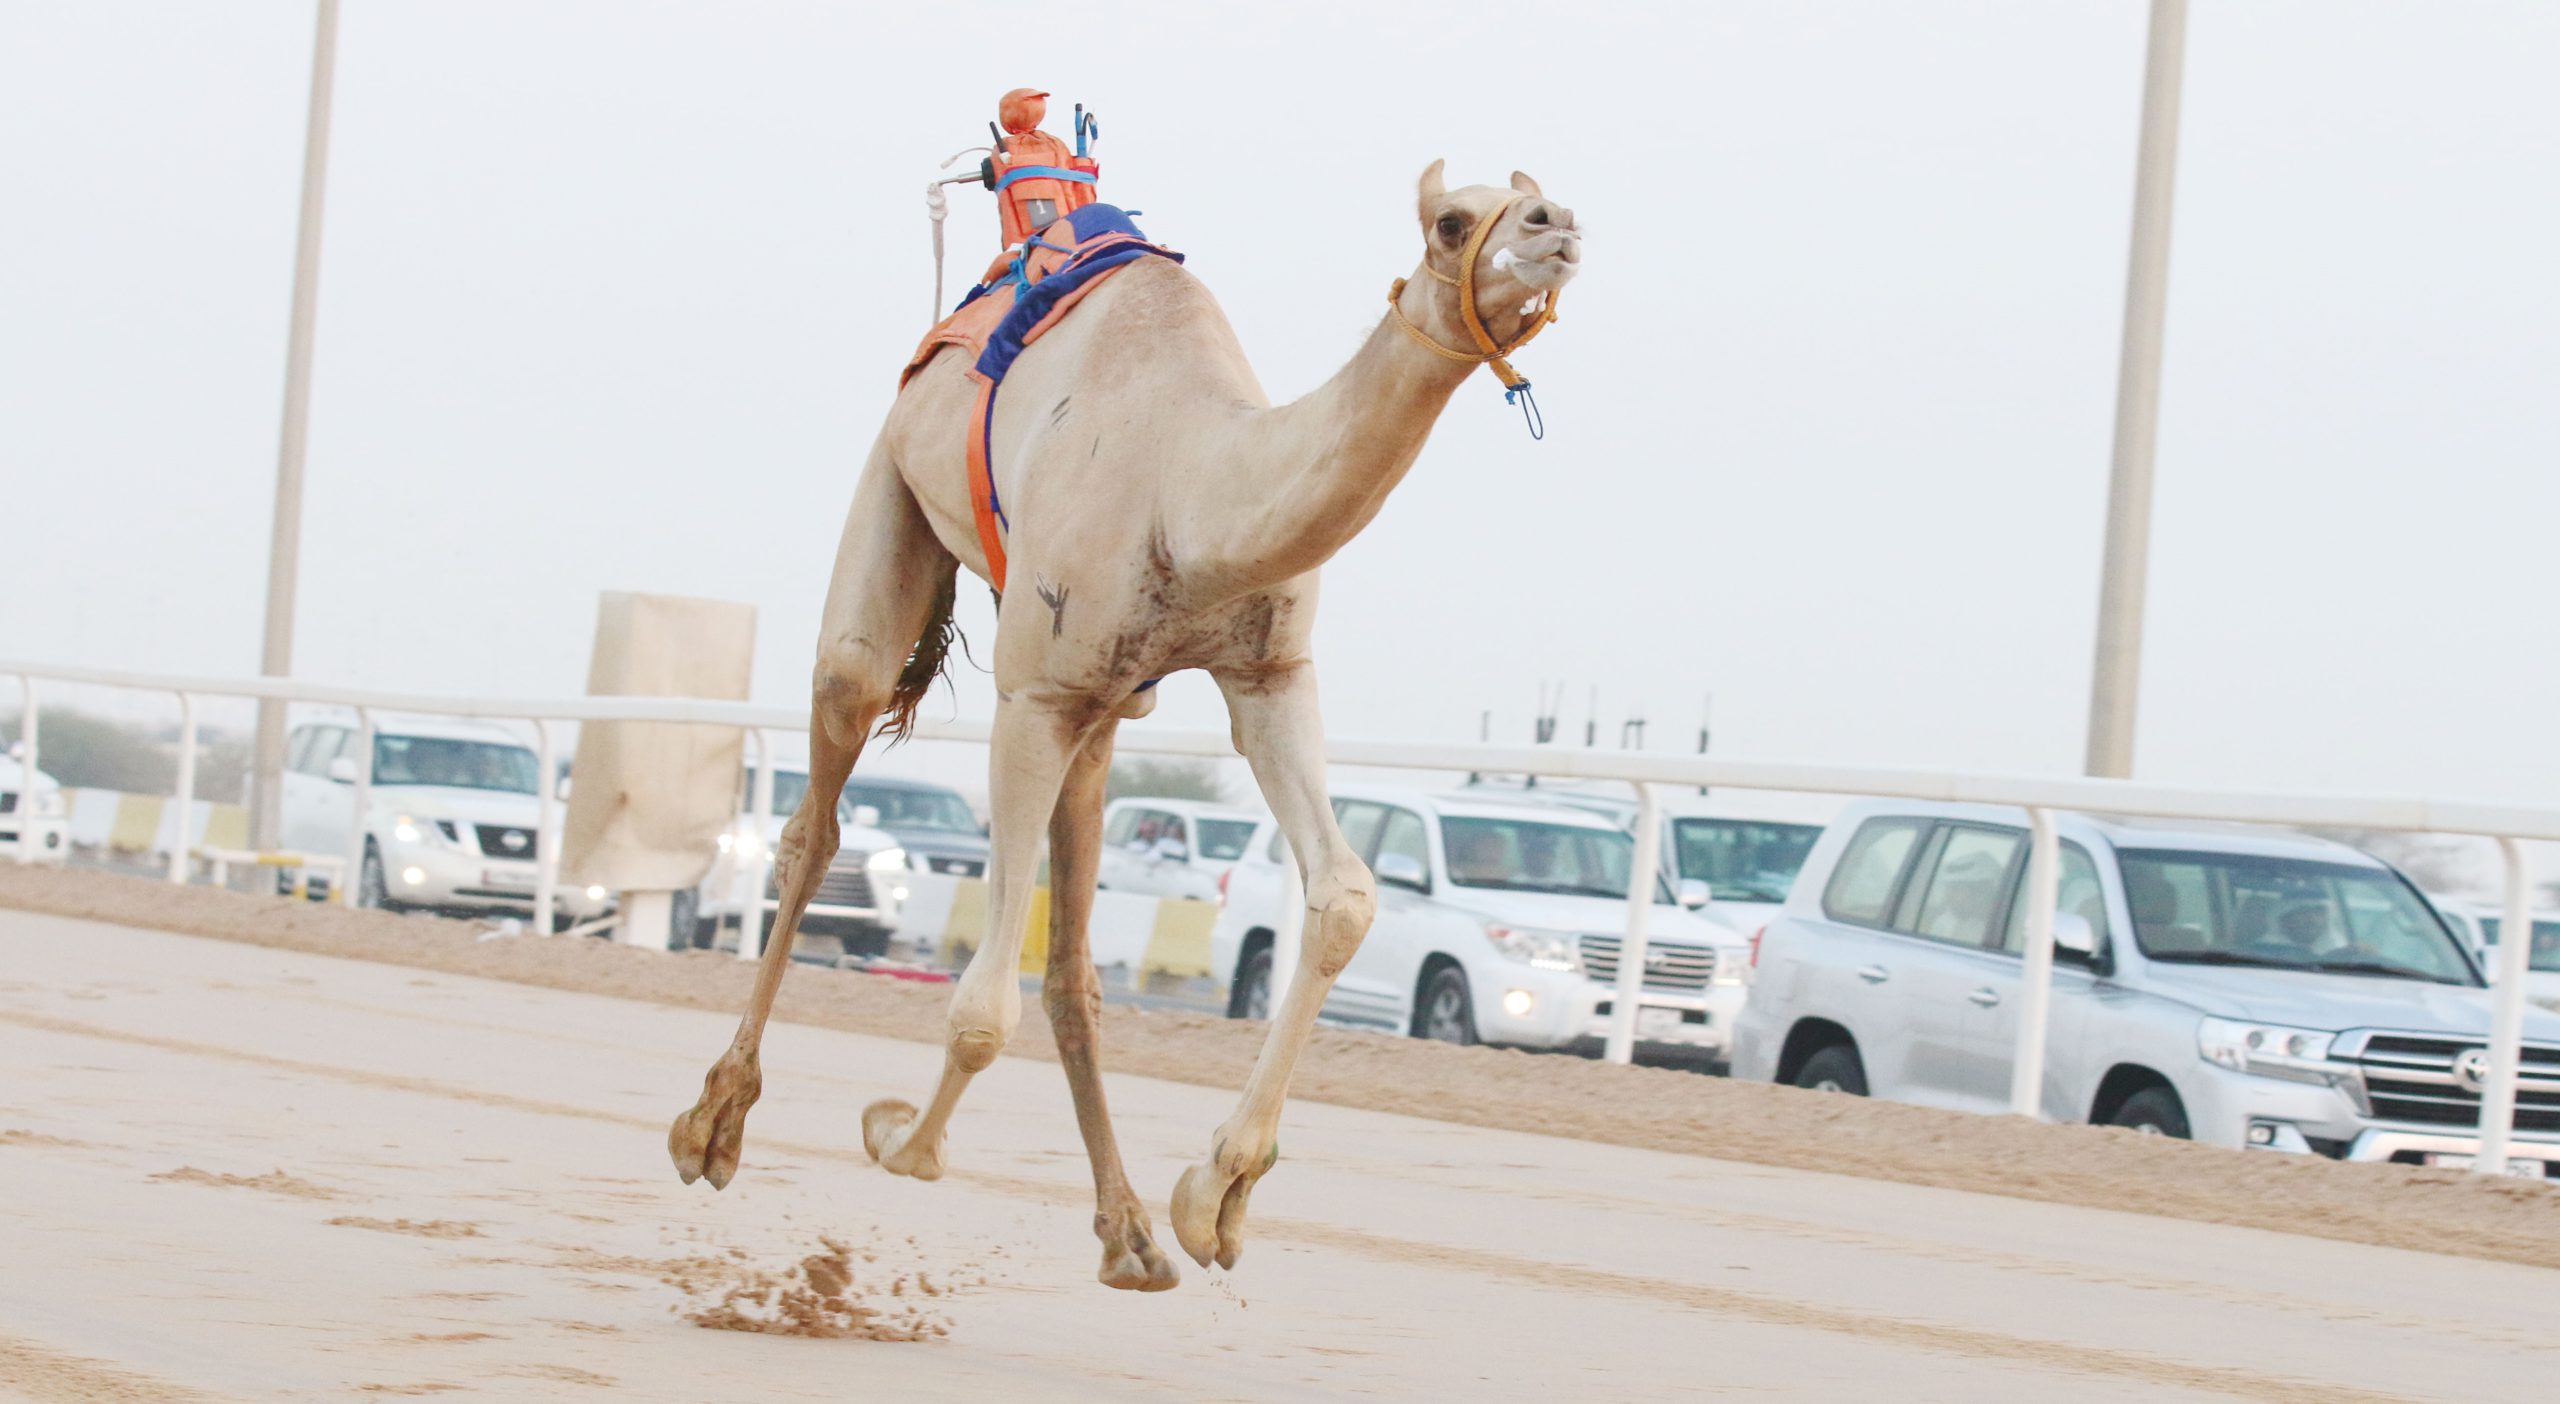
column 2116, row 681
column 284, row 548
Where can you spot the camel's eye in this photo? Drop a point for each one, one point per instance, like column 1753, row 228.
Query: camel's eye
column 1451, row 227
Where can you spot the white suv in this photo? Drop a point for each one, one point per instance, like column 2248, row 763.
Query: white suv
column 2245, row 987
column 1499, row 921
column 1171, row 847
column 857, row 902
column 35, row 811
column 450, row 816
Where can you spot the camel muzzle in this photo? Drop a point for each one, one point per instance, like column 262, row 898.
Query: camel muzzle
column 1557, row 265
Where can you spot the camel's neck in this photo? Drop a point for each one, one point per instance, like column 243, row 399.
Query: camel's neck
column 1297, row 482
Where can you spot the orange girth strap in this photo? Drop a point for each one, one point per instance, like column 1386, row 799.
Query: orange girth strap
column 1488, row 352
column 982, row 482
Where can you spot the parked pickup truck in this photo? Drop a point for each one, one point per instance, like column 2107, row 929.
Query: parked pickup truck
column 2245, row 987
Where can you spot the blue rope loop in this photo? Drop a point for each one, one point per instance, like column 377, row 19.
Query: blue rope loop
column 1529, row 413
column 1043, row 173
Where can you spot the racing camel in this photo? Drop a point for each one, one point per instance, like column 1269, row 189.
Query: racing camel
column 1162, row 515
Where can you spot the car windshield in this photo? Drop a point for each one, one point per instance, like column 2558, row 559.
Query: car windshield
column 2546, row 942
column 788, row 787
column 462, row 765
column 2287, row 913
column 1742, row 860
column 1224, row 839
column 941, row 811
column 1520, row 855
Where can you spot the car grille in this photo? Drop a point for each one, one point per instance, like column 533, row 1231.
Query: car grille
column 493, row 841
column 8, row 801
column 841, row 887
column 1668, row 965
column 958, row 867
column 2413, row 1078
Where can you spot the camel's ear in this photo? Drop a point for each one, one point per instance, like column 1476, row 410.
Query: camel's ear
column 1433, row 187
column 1520, row 181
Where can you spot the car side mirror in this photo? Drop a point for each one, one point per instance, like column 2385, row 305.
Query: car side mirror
column 1173, row 852
column 1403, row 870
column 1694, row 893
column 343, row 770
column 866, row 816
column 562, row 790
column 2073, row 935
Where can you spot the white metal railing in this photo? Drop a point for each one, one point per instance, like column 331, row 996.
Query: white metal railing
column 2039, row 796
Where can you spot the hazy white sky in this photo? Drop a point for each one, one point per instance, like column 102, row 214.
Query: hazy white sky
column 615, row 295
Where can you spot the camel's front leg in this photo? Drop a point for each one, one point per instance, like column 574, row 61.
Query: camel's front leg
column 1073, row 997
column 1034, row 738
column 1277, row 724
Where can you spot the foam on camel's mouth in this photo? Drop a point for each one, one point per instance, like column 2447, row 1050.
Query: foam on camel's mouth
column 1544, row 263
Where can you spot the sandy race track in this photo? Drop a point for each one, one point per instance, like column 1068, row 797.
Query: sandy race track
column 234, row 1172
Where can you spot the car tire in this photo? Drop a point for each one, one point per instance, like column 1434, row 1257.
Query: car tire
column 685, row 929
column 2153, row 1111
column 1834, row 1069
column 864, row 941
column 1446, row 1013
column 373, row 885
column 1253, row 987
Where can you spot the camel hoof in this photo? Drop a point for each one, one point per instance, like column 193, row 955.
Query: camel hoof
column 1146, row 1270
column 888, row 1133
column 1131, row 1259
column 1200, row 1216
column 1209, row 1204
column 707, row 1139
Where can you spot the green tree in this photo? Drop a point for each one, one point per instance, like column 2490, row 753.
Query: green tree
column 1167, row 779
column 89, row 752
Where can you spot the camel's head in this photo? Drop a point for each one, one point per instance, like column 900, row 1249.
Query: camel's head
column 1532, row 251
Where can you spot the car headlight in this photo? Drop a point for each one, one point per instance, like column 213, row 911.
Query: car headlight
column 1545, row 950
column 411, row 829
column 2267, row 1050
column 887, row 860
column 48, row 804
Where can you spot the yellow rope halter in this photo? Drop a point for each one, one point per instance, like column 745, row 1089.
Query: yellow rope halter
column 1488, row 352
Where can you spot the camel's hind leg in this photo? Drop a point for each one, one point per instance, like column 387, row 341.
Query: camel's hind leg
column 1073, row 997
column 1037, row 733
column 1277, row 725
column 887, row 607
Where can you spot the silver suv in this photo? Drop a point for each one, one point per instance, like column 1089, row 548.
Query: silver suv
column 2244, row 987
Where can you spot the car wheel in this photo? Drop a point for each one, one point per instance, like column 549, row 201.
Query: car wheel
column 864, row 940
column 373, row 887
column 1834, row 1069
column 1447, row 1011
column 685, row 931
column 1253, row 987
column 2153, row 1111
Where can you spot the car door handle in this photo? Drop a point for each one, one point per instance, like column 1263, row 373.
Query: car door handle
column 1875, row 974
column 1986, row 996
